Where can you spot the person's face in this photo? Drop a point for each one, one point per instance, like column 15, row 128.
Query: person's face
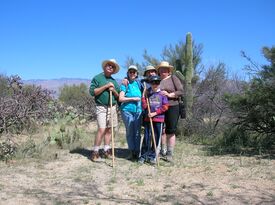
column 132, row 74
column 155, row 85
column 109, row 69
column 164, row 72
column 151, row 73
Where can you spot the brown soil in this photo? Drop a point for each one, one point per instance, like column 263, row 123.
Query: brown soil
column 195, row 178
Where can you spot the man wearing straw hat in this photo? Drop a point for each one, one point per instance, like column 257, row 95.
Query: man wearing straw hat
column 100, row 88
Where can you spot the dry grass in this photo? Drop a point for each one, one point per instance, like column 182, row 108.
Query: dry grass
column 69, row 177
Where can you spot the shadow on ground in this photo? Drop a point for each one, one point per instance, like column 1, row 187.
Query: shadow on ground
column 247, row 152
column 119, row 152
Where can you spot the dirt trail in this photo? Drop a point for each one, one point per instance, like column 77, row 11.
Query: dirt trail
column 72, row 178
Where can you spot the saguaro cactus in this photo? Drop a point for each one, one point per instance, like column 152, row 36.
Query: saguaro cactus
column 189, row 72
column 179, row 70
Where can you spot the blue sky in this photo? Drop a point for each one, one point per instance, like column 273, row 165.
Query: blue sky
column 46, row 39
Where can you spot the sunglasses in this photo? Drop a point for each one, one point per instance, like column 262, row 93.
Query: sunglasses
column 132, row 72
column 155, row 82
column 111, row 66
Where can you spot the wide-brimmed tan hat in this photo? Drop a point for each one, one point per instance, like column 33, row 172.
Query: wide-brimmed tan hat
column 165, row 64
column 149, row 67
column 113, row 62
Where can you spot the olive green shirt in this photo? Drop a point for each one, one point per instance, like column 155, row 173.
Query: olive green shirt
column 104, row 97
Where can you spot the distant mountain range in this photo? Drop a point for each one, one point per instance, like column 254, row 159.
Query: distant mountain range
column 56, row 84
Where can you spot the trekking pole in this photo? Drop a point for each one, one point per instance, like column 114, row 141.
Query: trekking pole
column 140, row 146
column 112, row 129
column 152, row 129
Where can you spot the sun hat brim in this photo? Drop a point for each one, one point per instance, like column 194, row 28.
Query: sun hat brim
column 165, row 65
column 171, row 68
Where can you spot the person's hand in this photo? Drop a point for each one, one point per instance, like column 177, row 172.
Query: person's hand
column 152, row 114
column 110, row 85
column 136, row 99
column 125, row 82
column 111, row 89
column 165, row 93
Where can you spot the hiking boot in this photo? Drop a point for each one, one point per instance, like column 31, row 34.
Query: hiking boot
column 95, row 156
column 169, row 158
column 141, row 160
column 107, row 154
column 135, row 156
column 153, row 161
column 130, row 156
column 163, row 153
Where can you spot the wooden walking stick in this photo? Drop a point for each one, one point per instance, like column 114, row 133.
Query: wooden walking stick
column 140, row 145
column 112, row 130
column 152, row 128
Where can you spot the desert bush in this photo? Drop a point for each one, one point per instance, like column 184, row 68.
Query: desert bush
column 27, row 149
column 22, row 107
column 7, row 149
column 78, row 97
column 211, row 114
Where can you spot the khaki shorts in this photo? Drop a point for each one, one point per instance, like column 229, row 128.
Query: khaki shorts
column 103, row 116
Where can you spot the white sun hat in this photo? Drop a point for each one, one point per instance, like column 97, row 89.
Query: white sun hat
column 112, row 62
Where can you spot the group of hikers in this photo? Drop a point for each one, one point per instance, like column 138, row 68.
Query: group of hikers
column 151, row 102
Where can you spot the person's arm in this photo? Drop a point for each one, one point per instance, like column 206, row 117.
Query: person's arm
column 123, row 98
column 164, row 107
column 169, row 95
column 125, row 82
column 144, row 102
column 98, row 91
column 179, row 87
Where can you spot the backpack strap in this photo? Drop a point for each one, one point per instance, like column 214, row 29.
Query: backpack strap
column 180, row 98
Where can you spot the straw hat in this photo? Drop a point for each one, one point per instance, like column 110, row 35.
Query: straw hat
column 112, row 62
column 165, row 64
column 149, row 67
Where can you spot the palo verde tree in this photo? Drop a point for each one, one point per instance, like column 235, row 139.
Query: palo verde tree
column 173, row 53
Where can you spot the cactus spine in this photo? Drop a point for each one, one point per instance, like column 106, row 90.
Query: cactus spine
column 189, row 72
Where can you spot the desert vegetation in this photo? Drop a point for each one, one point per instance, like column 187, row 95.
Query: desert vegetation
column 226, row 114
column 228, row 118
